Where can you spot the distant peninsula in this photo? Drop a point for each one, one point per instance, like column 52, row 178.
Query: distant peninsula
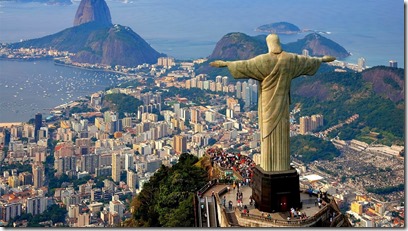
column 94, row 39
column 279, row 28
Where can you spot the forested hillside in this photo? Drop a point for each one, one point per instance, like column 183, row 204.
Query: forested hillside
column 374, row 94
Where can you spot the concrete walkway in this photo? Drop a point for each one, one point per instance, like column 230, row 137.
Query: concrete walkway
column 308, row 202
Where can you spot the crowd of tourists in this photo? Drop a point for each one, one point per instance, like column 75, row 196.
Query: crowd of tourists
column 234, row 161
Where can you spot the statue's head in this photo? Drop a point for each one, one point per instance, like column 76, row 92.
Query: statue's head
column 273, row 43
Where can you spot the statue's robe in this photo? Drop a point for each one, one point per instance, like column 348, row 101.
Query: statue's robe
column 274, row 72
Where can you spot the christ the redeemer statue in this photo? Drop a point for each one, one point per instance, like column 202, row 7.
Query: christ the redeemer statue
column 275, row 71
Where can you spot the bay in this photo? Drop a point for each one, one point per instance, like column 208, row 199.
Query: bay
column 373, row 29
column 27, row 88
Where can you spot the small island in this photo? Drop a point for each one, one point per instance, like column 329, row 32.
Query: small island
column 279, row 28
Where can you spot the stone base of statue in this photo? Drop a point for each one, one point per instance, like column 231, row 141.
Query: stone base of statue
column 276, row 191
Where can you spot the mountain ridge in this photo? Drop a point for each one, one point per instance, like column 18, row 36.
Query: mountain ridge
column 239, row 46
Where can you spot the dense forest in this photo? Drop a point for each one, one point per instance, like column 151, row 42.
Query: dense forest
column 167, row 199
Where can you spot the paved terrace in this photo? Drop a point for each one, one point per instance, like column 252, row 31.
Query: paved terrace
column 308, row 202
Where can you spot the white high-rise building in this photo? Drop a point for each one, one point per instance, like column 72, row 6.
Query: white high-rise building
column 238, row 89
column 73, row 211
column 36, row 205
column 254, row 93
column 361, row 63
column 218, row 79
column 176, row 108
column 116, row 167
column 115, row 205
column 38, row 176
column 248, row 93
column 305, row 52
column 393, row 63
column 132, row 180
column 129, row 161
column 244, row 90
column 225, row 81
column 9, row 210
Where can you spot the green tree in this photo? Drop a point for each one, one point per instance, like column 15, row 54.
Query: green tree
column 123, row 103
column 167, row 199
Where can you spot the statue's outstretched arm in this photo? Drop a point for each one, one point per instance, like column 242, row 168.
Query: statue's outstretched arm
column 218, row 63
column 328, row 58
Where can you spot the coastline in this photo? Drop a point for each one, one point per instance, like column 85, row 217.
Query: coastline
column 27, row 59
column 88, row 69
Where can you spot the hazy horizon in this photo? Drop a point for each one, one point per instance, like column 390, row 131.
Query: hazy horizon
column 370, row 29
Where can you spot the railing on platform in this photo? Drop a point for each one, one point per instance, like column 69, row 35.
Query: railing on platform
column 202, row 190
column 234, row 172
column 336, row 220
column 297, row 222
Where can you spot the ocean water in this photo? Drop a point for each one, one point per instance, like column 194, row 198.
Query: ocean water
column 373, row 29
column 27, row 88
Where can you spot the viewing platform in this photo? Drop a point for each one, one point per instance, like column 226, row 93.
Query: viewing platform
column 232, row 215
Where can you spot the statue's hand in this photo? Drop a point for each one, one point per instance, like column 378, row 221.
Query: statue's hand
column 328, row 58
column 218, row 63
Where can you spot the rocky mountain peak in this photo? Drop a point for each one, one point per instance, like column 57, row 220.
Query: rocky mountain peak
column 93, row 11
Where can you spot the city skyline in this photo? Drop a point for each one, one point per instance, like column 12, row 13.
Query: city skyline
column 173, row 143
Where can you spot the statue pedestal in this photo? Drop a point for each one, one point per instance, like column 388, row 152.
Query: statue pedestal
column 276, row 191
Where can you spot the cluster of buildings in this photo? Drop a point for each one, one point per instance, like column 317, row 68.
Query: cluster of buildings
column 309, row 124
column 367, row 212
column 31, row 53
column 246, row 90
column 126, row 151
